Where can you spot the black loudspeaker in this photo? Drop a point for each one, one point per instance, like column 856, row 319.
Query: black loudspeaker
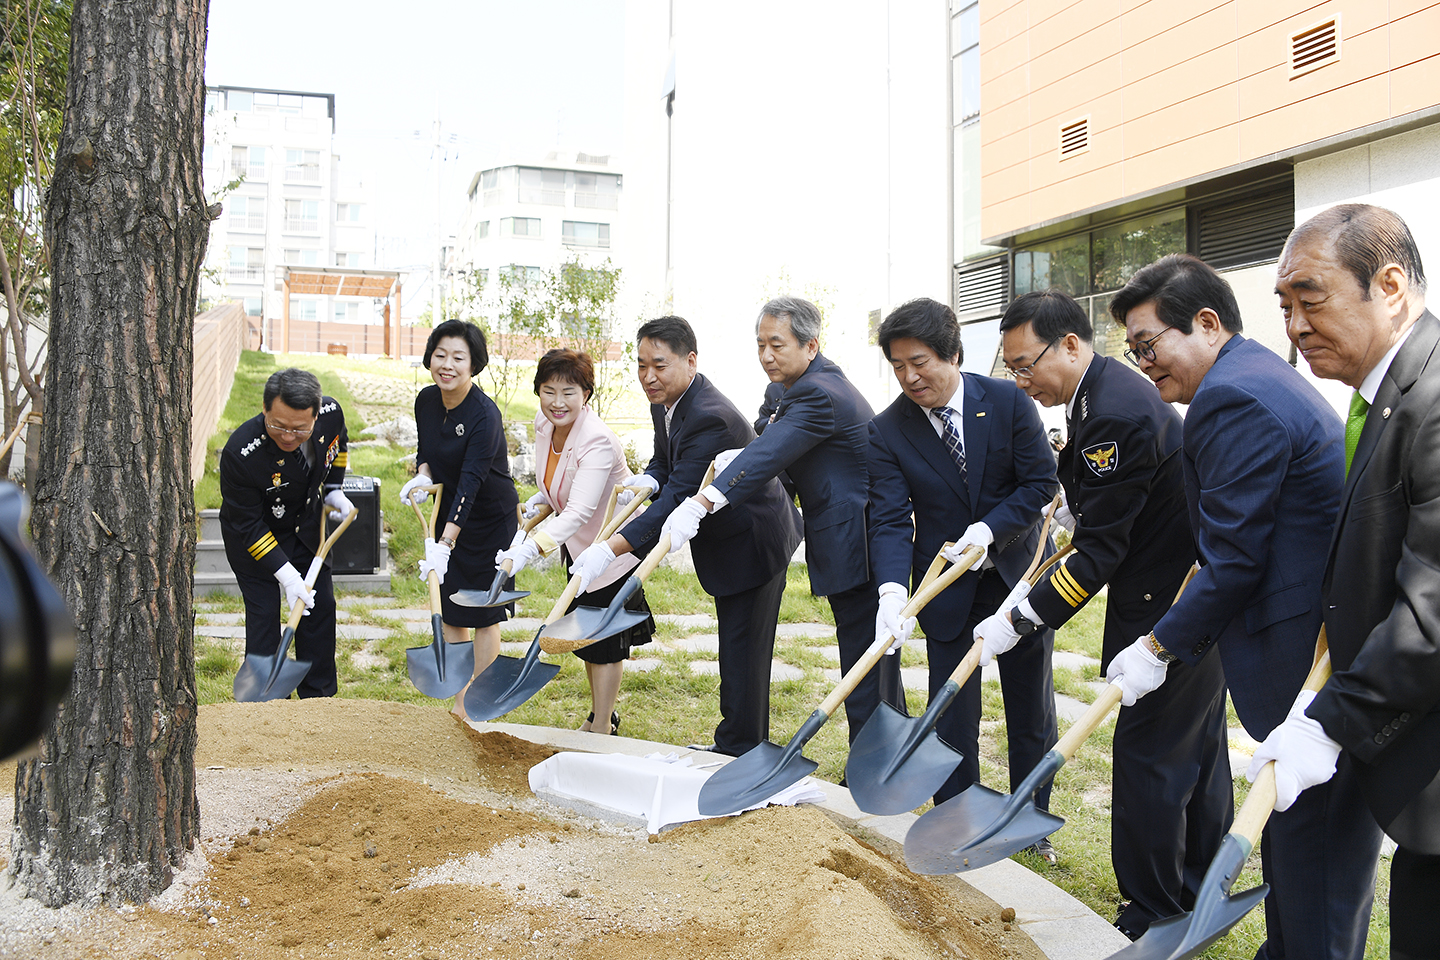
column 358, row 549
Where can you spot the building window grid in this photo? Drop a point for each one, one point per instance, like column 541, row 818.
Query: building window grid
column 302, row 166
column 520, row 227
column 247, row 213
column 248, row 161
column 577, row 233
column 302, row 216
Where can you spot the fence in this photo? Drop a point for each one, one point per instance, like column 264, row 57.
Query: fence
column 220, row 335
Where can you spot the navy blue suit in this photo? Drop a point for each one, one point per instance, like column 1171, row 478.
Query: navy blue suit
column 918, row 501
column 1264, row 468
column 741, row 553
column 816, row 436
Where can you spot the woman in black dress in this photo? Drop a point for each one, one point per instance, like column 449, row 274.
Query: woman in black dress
column 462, row 445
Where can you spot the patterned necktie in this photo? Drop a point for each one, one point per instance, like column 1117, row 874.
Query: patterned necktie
column 951, row 436
column 1353, row 425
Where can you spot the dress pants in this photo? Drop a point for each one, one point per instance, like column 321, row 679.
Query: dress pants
column 747, row 645
column 1319, row 858
column 1414, row 894
column 854, row 612
column 1025, row 681
column 314, row 637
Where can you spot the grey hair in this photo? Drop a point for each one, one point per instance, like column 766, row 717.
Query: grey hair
column 803, row 316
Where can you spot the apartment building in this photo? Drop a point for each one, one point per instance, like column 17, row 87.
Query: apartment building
column 286, row 203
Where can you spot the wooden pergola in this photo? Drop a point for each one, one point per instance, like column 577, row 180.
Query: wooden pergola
column 344, row 282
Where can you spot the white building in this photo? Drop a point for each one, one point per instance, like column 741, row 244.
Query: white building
column 286, row 203
column 531, row 216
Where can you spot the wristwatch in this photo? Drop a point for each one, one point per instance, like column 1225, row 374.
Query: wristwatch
column 1022, row 624
column 1161, row 654
column 448, row 541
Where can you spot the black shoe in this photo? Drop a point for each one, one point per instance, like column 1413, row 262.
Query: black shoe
column 1044, row 850
column 614, row 722
column 710, row 748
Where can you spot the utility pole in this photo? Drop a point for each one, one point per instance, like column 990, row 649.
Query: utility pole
column 437, row 291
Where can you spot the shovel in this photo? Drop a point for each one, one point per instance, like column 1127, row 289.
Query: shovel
column 438, row 669
column 508, row 682
column 768, row 768
column 497, row 595
column 586, row 625
column 274, row 676
column 981, row 826
column 898, row 762
column 1216, row 910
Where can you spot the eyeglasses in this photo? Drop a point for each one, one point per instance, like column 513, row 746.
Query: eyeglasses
column 1028, row 371
column 1143, row 349
column 298, row 434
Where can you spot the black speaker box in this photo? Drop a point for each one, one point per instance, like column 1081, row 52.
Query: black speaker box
column 358, row 549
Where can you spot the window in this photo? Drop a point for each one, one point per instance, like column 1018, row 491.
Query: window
column 302, row 215
column 302, row 258
column 348, row 260
column 481, row 277
column 965, row 47
column 482, row 230
column 542, row 186
column 249, row 161
column 247, row 213
column 252, row 306
column 349, row 212
column 522, row 275
column 520, row 227
column 284, row 103
column 599, row 191
column 304, row 309
column 241, row 101
column 577, row 233
column 303, row 165
column 247, row 264
column 347, row 312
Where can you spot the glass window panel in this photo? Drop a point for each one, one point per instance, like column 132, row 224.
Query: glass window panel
column 969, row 21
column 1121, row 250
column 241, row 101
column 1060, row 264
column 956, row 33
column 969, row 101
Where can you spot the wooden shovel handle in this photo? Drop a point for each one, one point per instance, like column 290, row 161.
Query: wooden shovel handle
column 434, row 489
column 541, row 513
column 1044, row 539
column 610, row 506
column 23, row 422
column 1108, row 699
column 563, row 601
column 617, row 521
column 1260, row 802
column 298, row 610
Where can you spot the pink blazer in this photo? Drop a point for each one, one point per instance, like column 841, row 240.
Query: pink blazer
column 591, row 463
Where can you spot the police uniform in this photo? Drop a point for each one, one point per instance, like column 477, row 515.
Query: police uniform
column 270, row 517
column 1172, row 801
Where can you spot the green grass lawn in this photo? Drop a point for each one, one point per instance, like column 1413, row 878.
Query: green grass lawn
column 672, row 704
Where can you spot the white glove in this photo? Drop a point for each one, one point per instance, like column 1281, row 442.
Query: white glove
column 592, row 562
column 724, row 458
column 683, row 523
column 975, row 535
column 893, row 598
column 437, row 558
column 638, row 480
column 532, row 506
column 408, row 493
column 1063, row 516
column 995, row 634
column 295, row 589
column 1304, row 755
column 527, row 552
column 1137, row 670
column 339, row 504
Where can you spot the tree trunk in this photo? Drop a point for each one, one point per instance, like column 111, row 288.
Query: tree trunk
column 108, row 806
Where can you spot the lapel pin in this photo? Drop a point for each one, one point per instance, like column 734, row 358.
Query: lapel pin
column 980, row 413
column 1385, row 414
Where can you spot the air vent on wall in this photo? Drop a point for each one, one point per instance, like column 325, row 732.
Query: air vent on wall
column 982, row 288
column 1074, row 137
column 1314, row 47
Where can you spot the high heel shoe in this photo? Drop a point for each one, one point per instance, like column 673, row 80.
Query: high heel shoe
column 614, row 722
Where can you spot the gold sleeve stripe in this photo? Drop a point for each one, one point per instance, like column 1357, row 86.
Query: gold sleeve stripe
column 1067, row 587
column 341, row 460
column 262, row 546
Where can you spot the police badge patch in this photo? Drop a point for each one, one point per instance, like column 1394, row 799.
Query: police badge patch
column 1103, row 458
column 278, row 510
column 459, row 429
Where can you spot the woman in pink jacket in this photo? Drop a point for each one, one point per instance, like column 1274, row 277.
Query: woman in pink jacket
column 578, row 460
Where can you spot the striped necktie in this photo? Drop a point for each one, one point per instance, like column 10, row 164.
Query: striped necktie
column 951, row 435
column 1354, row 424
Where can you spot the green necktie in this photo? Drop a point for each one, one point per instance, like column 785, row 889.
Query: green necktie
column 1353, row 425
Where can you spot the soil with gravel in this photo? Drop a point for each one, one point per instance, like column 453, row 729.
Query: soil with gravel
column 349, row 828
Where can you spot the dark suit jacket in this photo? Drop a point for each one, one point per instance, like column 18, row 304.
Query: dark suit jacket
column 1264, row 466
column 1123, row 481
column 740, row 547
column 818, row 439
column 918, row 502
column 1382, row 600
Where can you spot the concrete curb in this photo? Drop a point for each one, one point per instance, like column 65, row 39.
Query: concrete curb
column 1060, row 925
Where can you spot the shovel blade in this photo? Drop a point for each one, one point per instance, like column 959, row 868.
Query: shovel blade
column 897, row 762
column 271, row 676
column 588, row 624
column 507, row 683
column 753, row 778
column 974, row 829
column 496, row 596
column 440, row 669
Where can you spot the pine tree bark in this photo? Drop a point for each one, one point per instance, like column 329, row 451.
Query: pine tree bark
column 107, row 808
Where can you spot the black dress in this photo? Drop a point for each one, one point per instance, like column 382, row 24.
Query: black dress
column 465, row 450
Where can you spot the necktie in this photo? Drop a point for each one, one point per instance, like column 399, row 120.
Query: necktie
column 1353, row 425
column 951, row 435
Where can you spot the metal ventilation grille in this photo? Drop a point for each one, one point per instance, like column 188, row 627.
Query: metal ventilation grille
column 1315, row 47
column 1252, row 230
column 982, row 288
column 1075, row 137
